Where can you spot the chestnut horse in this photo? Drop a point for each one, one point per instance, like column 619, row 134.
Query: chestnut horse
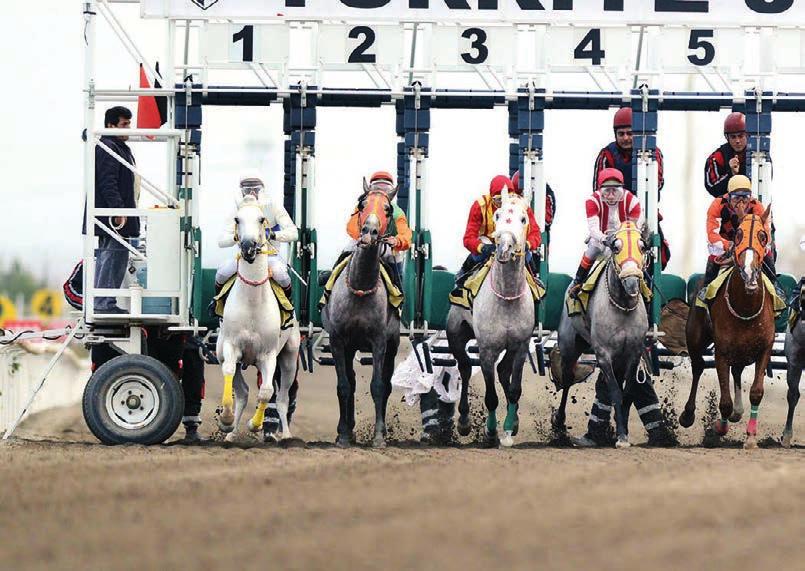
column 740, row 325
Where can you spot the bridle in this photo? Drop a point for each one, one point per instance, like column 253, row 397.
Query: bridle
column 732, row 310
column 363, row 215
column 264, row 248
column 609, row 293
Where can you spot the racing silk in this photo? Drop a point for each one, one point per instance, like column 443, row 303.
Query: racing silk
column 722, row 222
column 404, row 234
column 481, row 222
column 717, row 172
column 603, row 218
column 277, row 219
column 612, row 156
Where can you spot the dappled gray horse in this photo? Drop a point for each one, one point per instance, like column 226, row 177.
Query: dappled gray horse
column 795, row 355
column 358, row 317
column 502, row 320
column 614, row 326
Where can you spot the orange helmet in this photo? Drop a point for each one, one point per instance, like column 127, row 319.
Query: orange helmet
column 734, row 123
column 622, row 119
column 381, row 175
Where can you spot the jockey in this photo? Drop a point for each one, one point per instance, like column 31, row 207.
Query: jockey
column 723, row 218
column 607, row 208
column 393, row 254
column 618, row 155
column 280, row 229
column 481, row 225
column 729, row 159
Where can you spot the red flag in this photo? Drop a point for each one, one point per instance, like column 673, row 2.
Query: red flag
column 148, row 116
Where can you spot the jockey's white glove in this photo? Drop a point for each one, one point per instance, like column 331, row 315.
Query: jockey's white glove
column 716, row 249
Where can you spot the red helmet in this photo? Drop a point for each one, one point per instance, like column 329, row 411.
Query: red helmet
column 734, row 123
column 623, row 118
column 609, row 174
column 498, row 183
column 381, row 175
column 516, row 183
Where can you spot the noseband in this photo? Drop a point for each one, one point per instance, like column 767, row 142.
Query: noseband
column 263, row 249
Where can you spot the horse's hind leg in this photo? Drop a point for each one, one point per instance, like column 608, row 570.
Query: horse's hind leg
column 513, row 392
column 755, row 396
column 698, row 337
column 267, row 365
column 241, row 401
column 793, row 378
column 287, row 361
column 616, row 396
column 458, row 347
column 738, row 407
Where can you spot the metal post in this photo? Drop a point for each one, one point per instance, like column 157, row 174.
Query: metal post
column 89, row 12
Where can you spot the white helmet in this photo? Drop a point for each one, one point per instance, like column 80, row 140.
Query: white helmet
column 251, row 182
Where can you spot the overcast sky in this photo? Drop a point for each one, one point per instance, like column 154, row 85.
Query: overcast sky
column 41, row 154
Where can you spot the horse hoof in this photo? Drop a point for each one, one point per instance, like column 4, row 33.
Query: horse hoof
column 736, row 416
column 786, row 438
column 686, row 418
column 226, row 428
column 378, row 442
column 751, row 442
column 516, row 427
column 721, row 428
column 343, row 441
column 623, row 442
column 507, row 439
column 558, row 423
column 231, row 437
column 584, row 442
column 254, row 427
column 464, row 427
column 491, row 439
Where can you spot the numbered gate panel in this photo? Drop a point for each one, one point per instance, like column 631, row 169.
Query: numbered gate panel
column 575, row 46
column 374, row 44
column 685, row 47
column 244, row 43
column 460, row 46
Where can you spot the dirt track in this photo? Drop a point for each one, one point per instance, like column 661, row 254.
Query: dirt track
column 69, row 503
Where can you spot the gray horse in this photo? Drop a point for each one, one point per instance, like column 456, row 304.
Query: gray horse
column 358, row 317
column 795, row 355
column 501, row 321
column 614, row 327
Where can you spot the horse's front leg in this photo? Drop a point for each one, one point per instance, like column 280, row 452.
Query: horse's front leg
column 793, row 378
column 738, row 407
column 229, row 366
column 725, row 402
column 616, row 396
column 378, row 390
column 241, row 400
column 267, row 365
column 338, row 348
column 513, row 392
column 755, row 396
column 488, row 359
column 698, row 337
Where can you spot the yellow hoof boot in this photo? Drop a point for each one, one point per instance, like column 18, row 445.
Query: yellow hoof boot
column 256, row 422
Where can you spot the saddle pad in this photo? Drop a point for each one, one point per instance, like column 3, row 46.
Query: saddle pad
column 394, row 294
column 465, row 296
column 577, row 306
column 286, row 307
column 716, row 284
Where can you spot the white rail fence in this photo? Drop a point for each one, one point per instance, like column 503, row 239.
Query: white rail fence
column 21, row 365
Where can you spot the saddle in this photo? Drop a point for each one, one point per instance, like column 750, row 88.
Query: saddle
column 578, row 305
column 704, row 301
column 286, row 306
column 394, row 293
column 465, row 293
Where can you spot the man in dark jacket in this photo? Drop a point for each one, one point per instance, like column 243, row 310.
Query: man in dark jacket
column 114, row 188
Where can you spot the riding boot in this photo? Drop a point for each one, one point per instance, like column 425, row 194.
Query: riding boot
column 213, row 301
column 466, row 270
column 578, row 281
column 288, row 291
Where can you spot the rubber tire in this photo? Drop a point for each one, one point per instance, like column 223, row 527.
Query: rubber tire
column 171, row 398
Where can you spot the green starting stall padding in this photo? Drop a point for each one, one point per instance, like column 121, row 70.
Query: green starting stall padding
column 671, row 287
column 554, row 298
column 204, row 291
column 443, row 284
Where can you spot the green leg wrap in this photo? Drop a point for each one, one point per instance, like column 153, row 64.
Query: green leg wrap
column 491, row 422
column 753, row 411
column 511, row 417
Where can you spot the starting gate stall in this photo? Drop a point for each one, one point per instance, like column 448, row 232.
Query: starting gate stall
column 532, row 56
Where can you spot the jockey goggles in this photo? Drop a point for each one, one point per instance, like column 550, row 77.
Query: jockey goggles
column 251, row 186
column 740, row 196
column 384, row 186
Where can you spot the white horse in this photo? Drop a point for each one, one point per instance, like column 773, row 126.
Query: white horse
column 250, row 333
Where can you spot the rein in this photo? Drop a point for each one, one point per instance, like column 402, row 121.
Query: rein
column 609, row 293
column 732, row 310
column 251, row 282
